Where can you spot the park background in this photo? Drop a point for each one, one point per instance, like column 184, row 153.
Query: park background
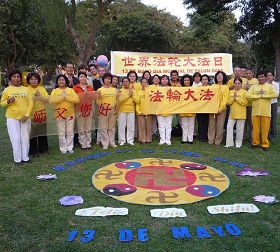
column 47, row 33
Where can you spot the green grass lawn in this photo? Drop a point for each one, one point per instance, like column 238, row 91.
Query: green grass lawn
column 33, row 220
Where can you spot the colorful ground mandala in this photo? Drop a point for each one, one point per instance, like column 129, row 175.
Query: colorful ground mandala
column 152, row 181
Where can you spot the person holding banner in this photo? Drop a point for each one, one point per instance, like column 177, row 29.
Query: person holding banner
column 63, row 98
column 126, row 117
column 132, row 76
column 144, row 122
column 107, row 110
column 216, row 121
column 147, row 75
column 188, row 119
column 84, row 110
column 237, row 102
column 174, row 78
column 19, row 103
column 154, row 87
column 165, row 120
column 39, row 139
column 203, row 118
column 197, row 79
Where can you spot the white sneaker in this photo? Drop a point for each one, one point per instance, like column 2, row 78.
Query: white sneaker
column 114, row 145
column 121, row 144
column 105, row 148
column 131, row 143
column 168, row 143
column 161, row 143
column 71, row 151
column 64, row 152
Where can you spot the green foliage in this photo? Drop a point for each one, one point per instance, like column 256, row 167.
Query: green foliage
column 22, row 32
column 134, row 33
column 33, row 32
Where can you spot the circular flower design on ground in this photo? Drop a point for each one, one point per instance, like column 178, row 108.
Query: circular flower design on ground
column 152, row 181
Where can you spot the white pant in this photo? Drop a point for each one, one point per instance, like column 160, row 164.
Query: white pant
column 164, row 128
column 126, row 120
column 84, row 125
column 239, row 132
column 188, row 128
column 19, row 136
column 65, row 128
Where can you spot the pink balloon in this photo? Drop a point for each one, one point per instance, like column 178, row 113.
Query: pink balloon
column 102, row 60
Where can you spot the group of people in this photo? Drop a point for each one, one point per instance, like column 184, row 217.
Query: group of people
column 245, row 101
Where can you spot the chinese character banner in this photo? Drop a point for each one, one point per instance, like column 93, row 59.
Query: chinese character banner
column 163, row 63
column 46, row 116
column 181, row 100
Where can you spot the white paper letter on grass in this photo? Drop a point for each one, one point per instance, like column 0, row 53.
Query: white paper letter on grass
column 101, row 211
column 168, row 213
column 235, row 208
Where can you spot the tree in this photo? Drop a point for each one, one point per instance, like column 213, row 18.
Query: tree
column 131, row 25
column 85, row 42
column 259, row 24
column 22, row 32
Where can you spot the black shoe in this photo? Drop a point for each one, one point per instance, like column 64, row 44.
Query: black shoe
column 265, row 148
column 18, row 163
column 190, row 142
column 27, row 162
column 183, row 142
column 254, row 146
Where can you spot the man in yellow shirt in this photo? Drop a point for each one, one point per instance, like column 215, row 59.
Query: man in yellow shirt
column 246, row 85
column 19, row 103
column 261, row 96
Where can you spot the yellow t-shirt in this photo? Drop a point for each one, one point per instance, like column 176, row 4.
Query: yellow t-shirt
column 230, row 82
column 23, row 104
column 261, row 104
column 237, row 105
column 224, row 91
column 64, row 105
column 37, row 104
column 139, row 100
column 251, row 82
column 107, row 96
column 126, row 102
column 136, row 85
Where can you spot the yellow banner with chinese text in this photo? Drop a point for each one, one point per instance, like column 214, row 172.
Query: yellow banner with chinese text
column 163, row 63
column 181, row 100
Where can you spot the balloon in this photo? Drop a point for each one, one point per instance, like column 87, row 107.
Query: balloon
column 102, row 60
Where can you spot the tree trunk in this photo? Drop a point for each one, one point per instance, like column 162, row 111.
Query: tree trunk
column 276, row 46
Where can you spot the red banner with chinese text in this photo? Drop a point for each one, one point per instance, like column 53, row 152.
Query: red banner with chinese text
column 163, row 63
column 181, row 100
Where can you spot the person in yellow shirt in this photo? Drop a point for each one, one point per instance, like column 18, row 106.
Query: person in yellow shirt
column 261, row 96
column 153, row 87
column 203, row 118
column 144, row 122
column 147, row 75
column 188, row 119
column 107, row 111
column 133, row 77
column 38, row 135
column 165, row 120
column 63, row 98
column 126, row 115
column 216, row 121
column 250, row 81
column 174, row 79
column 18, row 101
column 237, row 102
